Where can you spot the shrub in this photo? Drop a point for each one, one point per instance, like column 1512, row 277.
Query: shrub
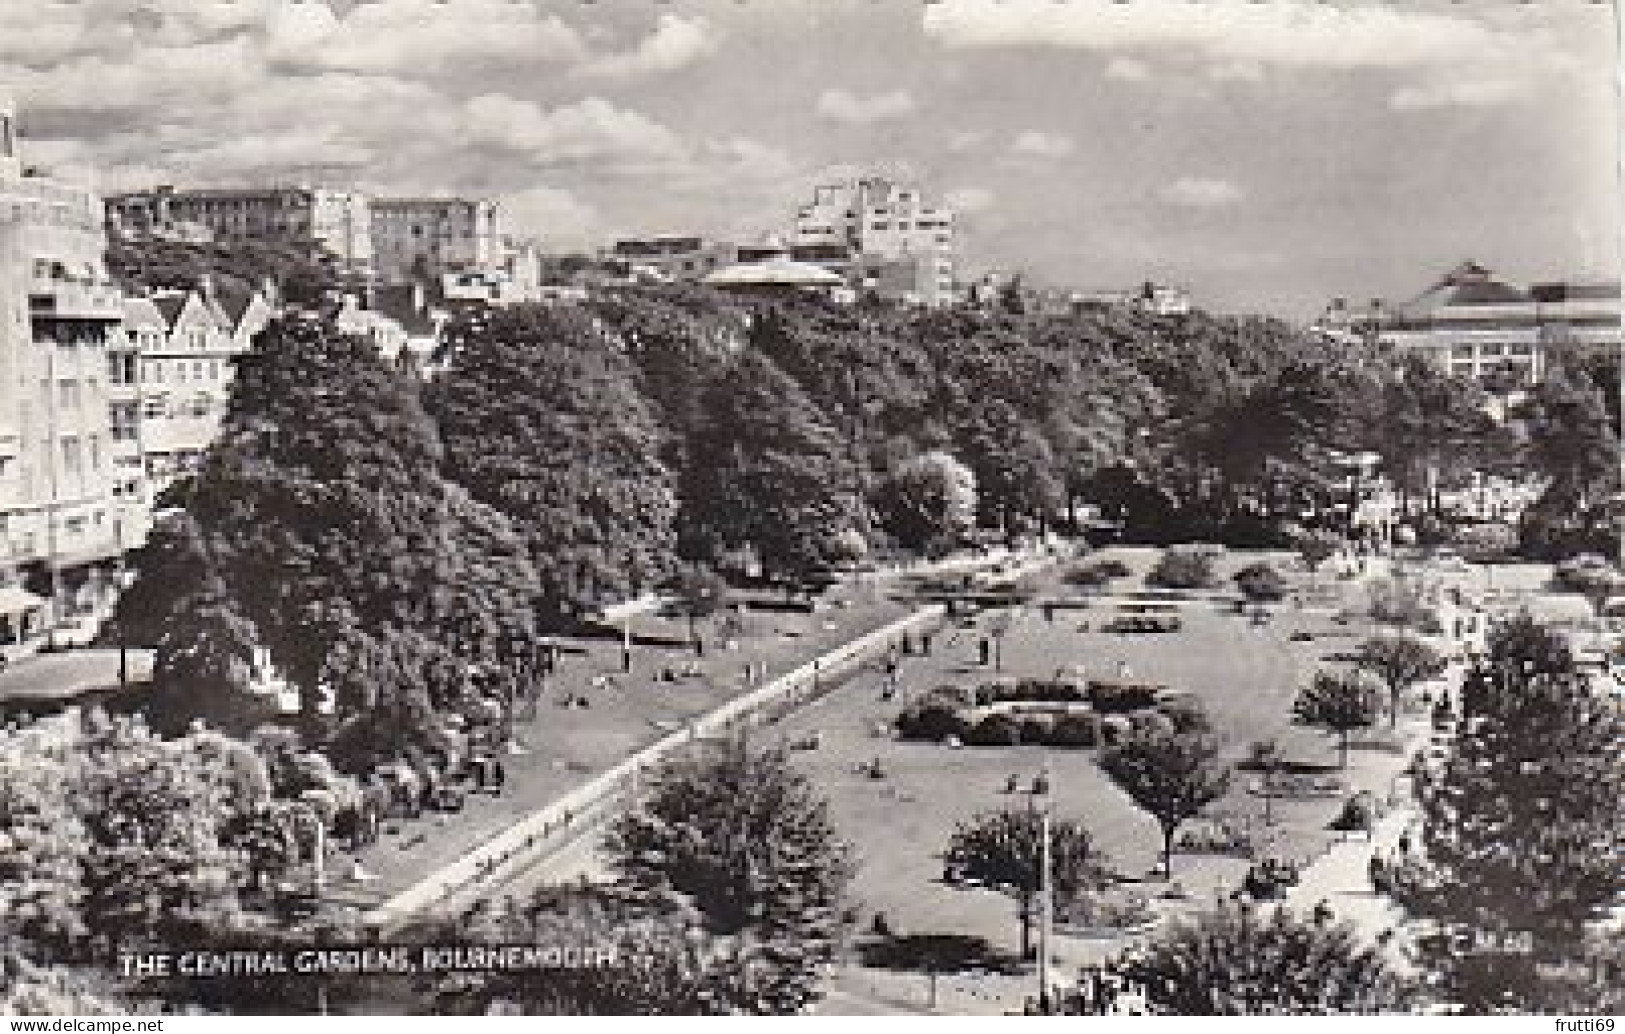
column 1269, row 879
column 1076, row 730
column 1217, row 836
column 1114, row 568
column 949, row 696
column 996, row 730
column 1398, row 601
column 1183, row 567
column 1109, row 696
column 1106, row 910
column 1151, row 724
column 1260, row 583
column 1037, row 729
column 929, row 720
column 1359, row 813
column 1186, row 714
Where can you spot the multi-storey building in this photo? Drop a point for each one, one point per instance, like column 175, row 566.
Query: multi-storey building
column 882, row 236
column 59, row 530
column 170, row 367
column 335, row 219
column 1474, row 323
column 426, row 238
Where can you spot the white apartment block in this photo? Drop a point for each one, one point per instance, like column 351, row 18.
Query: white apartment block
column 59, row 530
column 864, row 225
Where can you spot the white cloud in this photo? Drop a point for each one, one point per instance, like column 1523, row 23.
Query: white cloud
column 969, row 200
column 675, row 43
column 1128, row 69
column 1300, row 33
column 419, row 37
column 964, row 140
column 590, row 129
column 1201, row 192
column 1043, row 145
column 844, row 106
column 563, row 221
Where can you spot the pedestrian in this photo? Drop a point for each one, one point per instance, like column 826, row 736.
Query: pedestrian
column 985, row 650
column 1322, row 913
column 1405, row 843
column 925, row 643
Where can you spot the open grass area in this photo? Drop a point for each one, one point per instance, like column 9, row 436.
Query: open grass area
column 566, row 746
column 1246, row 674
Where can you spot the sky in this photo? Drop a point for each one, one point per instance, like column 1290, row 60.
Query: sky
column 1267, row 156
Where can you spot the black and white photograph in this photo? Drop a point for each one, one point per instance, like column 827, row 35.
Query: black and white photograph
column 909, row 508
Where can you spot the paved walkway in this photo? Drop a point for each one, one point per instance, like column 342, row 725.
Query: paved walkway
column 1341, row 880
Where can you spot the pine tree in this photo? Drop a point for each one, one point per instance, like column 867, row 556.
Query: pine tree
column 1523, row 842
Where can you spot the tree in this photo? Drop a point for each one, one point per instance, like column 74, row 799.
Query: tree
column 646, row 962
column 1235, row 962
column 1004, row 849
column 1172, row 777
column 929, row 502
column 1340, row 701
column 1315, row 547
column 1523, row 846
column 1260, row 583
column 542, row 419
column 1400, row 662
column 746, row 841
column 769, row 474
column 698, row 593
column 320, row 528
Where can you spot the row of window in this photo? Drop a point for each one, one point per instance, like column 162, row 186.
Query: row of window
column 123, row 418
column 1490, row 349
column 126, row 367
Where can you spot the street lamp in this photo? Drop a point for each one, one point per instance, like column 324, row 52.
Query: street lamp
column 1046, row 890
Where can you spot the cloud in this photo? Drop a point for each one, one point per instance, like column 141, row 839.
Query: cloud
column 1299, row 33
column 563, row 221
column 1043, row 145
column 964, row 140
column 1128, row 69
column 675, row 43
column 591, row 129
column 1201, row 192
column 418, row 37
column 969, row 200
column 843, row 106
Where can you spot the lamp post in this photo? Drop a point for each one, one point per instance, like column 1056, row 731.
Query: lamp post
column 1046, row 889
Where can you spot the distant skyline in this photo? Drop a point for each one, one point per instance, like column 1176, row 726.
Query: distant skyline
column 1267, row 156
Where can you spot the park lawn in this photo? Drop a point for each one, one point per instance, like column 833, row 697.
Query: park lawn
column 1246, row 675
column 568, row 746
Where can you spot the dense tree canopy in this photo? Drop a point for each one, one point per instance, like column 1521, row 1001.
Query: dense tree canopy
column 542, row 419
column 745, row 841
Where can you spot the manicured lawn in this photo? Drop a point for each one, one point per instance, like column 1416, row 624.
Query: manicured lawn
column 1246, row 675
column 566, row 746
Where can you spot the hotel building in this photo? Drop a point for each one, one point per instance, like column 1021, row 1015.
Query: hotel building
column 60, row 533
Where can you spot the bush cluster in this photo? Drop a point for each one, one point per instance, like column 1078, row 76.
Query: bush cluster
column 1116, row 711
column 1183, row 567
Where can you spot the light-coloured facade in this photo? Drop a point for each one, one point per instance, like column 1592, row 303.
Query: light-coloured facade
column 876, row 229
column 170, row 367
column 338, row 220
column 1474, row 323
column 59, row 529
column 425, row 238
